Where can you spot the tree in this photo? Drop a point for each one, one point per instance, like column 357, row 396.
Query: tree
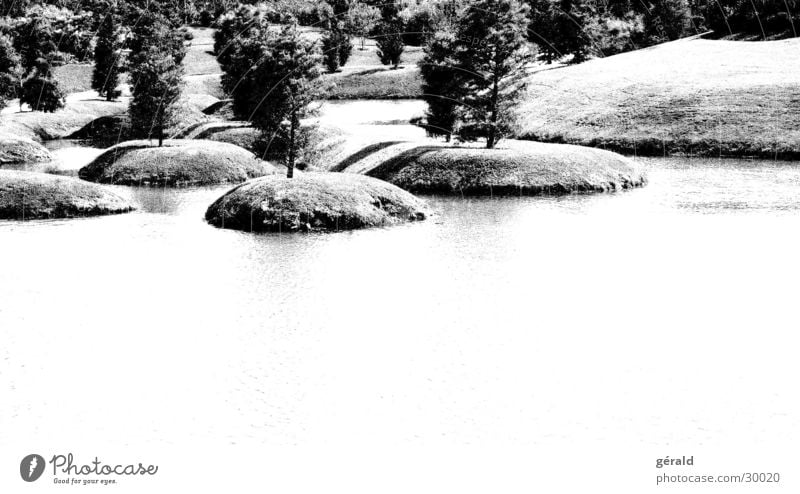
column 361, row 18
column 335, row 15
column 441, row 85
column 666, row 20
column 42, row 93
column 491, row 54
column 106, row 60
column 13, row 8
column 241, row 23
column 278, row 86
column 34, row 41
column 333, row 42
column 10, row 71
column 390, row 39
column 156, row 74
column 557, row 27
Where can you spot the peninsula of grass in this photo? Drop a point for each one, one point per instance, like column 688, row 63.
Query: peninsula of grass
column 693, row 97
column 176, row 163
column 18, row 150
column 521, row 169
column 314, row 202
column 28, row 195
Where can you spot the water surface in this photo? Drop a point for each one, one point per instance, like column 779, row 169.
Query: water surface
column 653, row 316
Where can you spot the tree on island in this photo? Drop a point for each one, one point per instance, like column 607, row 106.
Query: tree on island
column 105, row 77
column 491, row 52
column 441, row 88
column 10, row 71
column 390, row 37
column 278, row 86
column 156, row 74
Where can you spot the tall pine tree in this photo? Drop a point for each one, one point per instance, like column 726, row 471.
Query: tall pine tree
column 156, row 73
column 105, row 77
column 390, row 38
column 491, row 53
column 441, row 87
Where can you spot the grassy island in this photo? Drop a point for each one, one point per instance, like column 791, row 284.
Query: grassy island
column 314, row 201
column 176, row 163
column 28, row 195
column 518, row 169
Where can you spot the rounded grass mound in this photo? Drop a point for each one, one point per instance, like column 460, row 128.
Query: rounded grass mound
column 524, row 169
column 19, row 150
column 176, row 163
column 314, row 201
column 28, row 195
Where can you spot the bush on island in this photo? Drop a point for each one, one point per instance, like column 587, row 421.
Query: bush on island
column 314, row 201
column 28, row 195
column 177, row 163
column 527, row 169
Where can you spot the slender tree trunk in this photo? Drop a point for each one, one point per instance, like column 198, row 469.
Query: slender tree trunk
column 161, row 131
column 492, row 137
column 292, row 126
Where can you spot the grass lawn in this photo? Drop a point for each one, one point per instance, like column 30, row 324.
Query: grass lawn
column 74, row 77
column 364, row 77
column 697, row 97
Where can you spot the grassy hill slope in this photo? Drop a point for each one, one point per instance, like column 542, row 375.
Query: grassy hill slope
column 699, row 97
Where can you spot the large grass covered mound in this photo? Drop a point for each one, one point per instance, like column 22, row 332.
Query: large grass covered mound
column 524, row 169
column 27, row 195
column 176, row 163
column 699, row 97
column 314, row 201
column 19, row 150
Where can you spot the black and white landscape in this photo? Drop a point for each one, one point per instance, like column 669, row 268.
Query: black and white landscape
column 424, row 246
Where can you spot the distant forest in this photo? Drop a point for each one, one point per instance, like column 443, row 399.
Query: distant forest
column 578, row 27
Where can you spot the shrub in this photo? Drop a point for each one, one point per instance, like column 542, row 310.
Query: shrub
column 42, row 93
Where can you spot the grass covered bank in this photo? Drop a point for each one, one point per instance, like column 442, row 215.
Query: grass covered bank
column 18, row 150
column 695, row 97
column 519, row 169
column 28, row 195
column 314, row 201
column 80, row 109
column 177, row 163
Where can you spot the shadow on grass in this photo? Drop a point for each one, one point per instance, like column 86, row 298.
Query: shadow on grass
column 363, row 153
column 394, row 164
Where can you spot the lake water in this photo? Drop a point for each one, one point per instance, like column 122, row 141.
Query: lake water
column 651, row 318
